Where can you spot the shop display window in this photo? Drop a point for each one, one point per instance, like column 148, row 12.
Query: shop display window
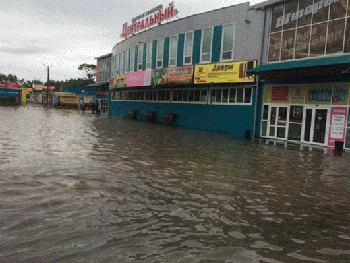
column 297, row 20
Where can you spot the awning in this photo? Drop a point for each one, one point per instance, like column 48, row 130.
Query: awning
column 99, row 84
column 304, row 63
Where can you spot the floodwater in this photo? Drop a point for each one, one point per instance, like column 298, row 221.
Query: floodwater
column 83, row 188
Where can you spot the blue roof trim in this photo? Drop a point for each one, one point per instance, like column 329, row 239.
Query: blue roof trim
column 305, row 63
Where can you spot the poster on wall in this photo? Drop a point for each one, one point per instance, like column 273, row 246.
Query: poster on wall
column 176, row 75
column 323, row 20
column 337, row 125
column 224, row 72
column 117, row 82
column 138, row 78
column 279, row 93
column 297, row 94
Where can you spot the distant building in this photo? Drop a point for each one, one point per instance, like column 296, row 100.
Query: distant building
column 10, row 93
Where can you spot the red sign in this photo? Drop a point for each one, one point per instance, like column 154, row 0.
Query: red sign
column 9, row 85
column 150, row 20
column 42, row 87
column 280, row 93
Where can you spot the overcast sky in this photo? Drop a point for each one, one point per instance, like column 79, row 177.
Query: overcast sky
column 63, row 34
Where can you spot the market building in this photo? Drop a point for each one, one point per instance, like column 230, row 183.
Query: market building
column 193, row 68
column 305, row 72
column 10, row 93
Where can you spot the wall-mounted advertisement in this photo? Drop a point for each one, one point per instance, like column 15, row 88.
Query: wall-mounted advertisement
column 9, row 85
column 337, row 125
column 307, row 28
column 39, row 87
column 117, row 82
column 148, row 19
column 224, row 72
column 138, row 78
column 176, row 75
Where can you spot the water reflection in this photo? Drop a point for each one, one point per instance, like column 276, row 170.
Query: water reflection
column 87, row 188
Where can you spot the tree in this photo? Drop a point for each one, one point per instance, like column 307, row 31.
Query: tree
column 89, row 69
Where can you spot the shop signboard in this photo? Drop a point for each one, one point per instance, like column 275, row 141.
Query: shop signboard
column 279, row 93
column 148, row 19
column 176, row 75
column 9, row 92
column 307, row 28
column 230, row 72
column 39, row 87
column 138, row 78
column 69, row 100
column 297, row 94
column 337, row 125
column 9, row 85
column 117, row 82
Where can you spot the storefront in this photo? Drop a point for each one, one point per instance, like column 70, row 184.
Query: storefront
column 312, row 113
column 304, row 73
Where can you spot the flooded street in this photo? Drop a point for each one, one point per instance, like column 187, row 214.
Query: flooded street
column 86, row 188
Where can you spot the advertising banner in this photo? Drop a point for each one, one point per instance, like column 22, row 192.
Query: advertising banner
column 9, row 92
column 307, row 28
column 279, row 93
column 117, row 82
column 138, row 78
column 9, row 85
column 224, row 72
column 69, row 100
column 177, row 75
column 337, row 125
column 39, row 87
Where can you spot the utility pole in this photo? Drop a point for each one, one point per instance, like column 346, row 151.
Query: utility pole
column 48, row 84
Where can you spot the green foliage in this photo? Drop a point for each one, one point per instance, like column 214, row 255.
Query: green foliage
column 71, row 83
column 90, row 70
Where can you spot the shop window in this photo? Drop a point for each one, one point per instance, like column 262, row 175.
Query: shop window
column 227, row 42
column 190, row 95
column 247, row 95
column 197, row 95
column 264, row 120
column 132, row 59
column 139, row 57
column 347, row 139
column 149, row 56
column 173, row 51
column 125, row 62
column 232, row 98
column 218, row 95
column 207, row 35
column 160, row 53
column 203, row 96
column 240, row 95
column 185, row 95
column 225, row 95
column 188, row 48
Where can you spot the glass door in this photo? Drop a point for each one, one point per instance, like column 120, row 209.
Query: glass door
column 278, row 121
column 315, row 125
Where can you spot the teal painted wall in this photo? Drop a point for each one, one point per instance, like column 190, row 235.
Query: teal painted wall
column 180, row 50
column 135, row 58
column 144, row 56
column 196, row 46
column 154, row 54
column 166, row 53
column 216, row 48
column 231, row 119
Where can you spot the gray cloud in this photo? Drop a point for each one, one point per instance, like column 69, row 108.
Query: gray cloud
column 23, row 50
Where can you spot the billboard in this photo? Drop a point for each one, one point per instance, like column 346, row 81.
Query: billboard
column 307, row 28
column 117, row 82
column 176, row 75
column 138, row 78
column 9, row 85
column 230, row 72
column 39, row 87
